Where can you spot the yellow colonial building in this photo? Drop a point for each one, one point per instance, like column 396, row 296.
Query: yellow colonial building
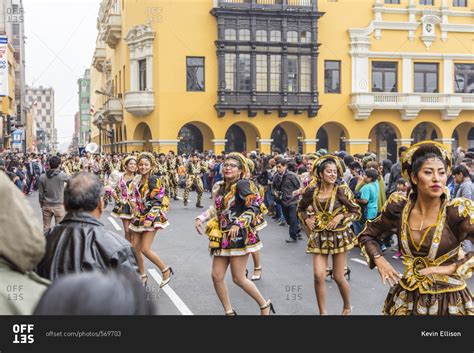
column 7, row 104
column 242, row 75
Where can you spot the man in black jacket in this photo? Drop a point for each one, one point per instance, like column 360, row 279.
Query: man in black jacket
column 395, row 172
column 81, row 242
column 285, row 184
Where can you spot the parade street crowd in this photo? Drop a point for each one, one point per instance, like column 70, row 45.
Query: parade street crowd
column 422, row 205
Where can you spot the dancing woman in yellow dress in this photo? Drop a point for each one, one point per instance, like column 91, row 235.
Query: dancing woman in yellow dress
column 327, row 210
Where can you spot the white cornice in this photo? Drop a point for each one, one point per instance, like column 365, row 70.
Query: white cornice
column 418, row 11
column 410, row 55
column 463, row 28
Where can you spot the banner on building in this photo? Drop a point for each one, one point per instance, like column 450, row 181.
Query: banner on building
column 17, row 139
column 3, row 66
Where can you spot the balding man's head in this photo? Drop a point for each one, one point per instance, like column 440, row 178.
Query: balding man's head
column 83, row 192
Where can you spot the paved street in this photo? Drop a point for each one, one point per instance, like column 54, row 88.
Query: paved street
column 286, row 277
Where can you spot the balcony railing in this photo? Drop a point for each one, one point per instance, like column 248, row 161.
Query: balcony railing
column 113, row 110
column 258, row 4
column 410, row 104
column 113, row 30
column 140, row 103
column 98, row 59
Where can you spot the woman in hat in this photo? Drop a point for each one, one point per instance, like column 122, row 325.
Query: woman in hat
column 233, row 224
column 149, row 204
column 430, row 230
column 327, row 210
column 121, row 192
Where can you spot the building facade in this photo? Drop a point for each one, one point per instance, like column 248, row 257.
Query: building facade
column 7, row 103
column 41, row 100
column 84, row 108
column 240, row 75
column 12, row 14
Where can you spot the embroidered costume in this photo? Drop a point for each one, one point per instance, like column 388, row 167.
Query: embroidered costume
column 173, row 177
column 440, row 244
column 240, row 204
column 151, row 203
column 161, row 171
column 340, row 201
column 123, row 192
column 193, row 177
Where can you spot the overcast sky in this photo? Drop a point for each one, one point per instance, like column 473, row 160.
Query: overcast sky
column 60, row 42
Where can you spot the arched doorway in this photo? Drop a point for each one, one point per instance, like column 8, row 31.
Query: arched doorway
column 332, row 137
column 383, row 138
column 236, row 139
column 463, row 136
column 342, row 141
column 280, row 139
column 143, row 133
column 190, row 139
column 323, row 140
column 470, row 138
column 288, row 135
column 425, row 131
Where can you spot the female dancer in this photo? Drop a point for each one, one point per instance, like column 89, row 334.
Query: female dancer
column 327, row 210
column 430, row 230
column 149, row 204
column 121, row 193
column 234, row 221
column 257, row 264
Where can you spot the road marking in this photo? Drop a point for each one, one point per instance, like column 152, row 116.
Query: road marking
column 115, row 224
column 360, row 261
column 171, row 294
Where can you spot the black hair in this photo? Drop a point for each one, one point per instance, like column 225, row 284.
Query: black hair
column 83, row 192
column 146, row 157
column 282, row 161
column 298, row 158
column 372, row 174
column 418, row 162
column 461, row 169
column 401, row 150
column 387, row 166
column 129, row 160
column 402, row 181
column 355, row 165
column 110, row 292
column 323, row 166
column 54, row 162
column 292, row 167
column 302, row 169
column 348, row 159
